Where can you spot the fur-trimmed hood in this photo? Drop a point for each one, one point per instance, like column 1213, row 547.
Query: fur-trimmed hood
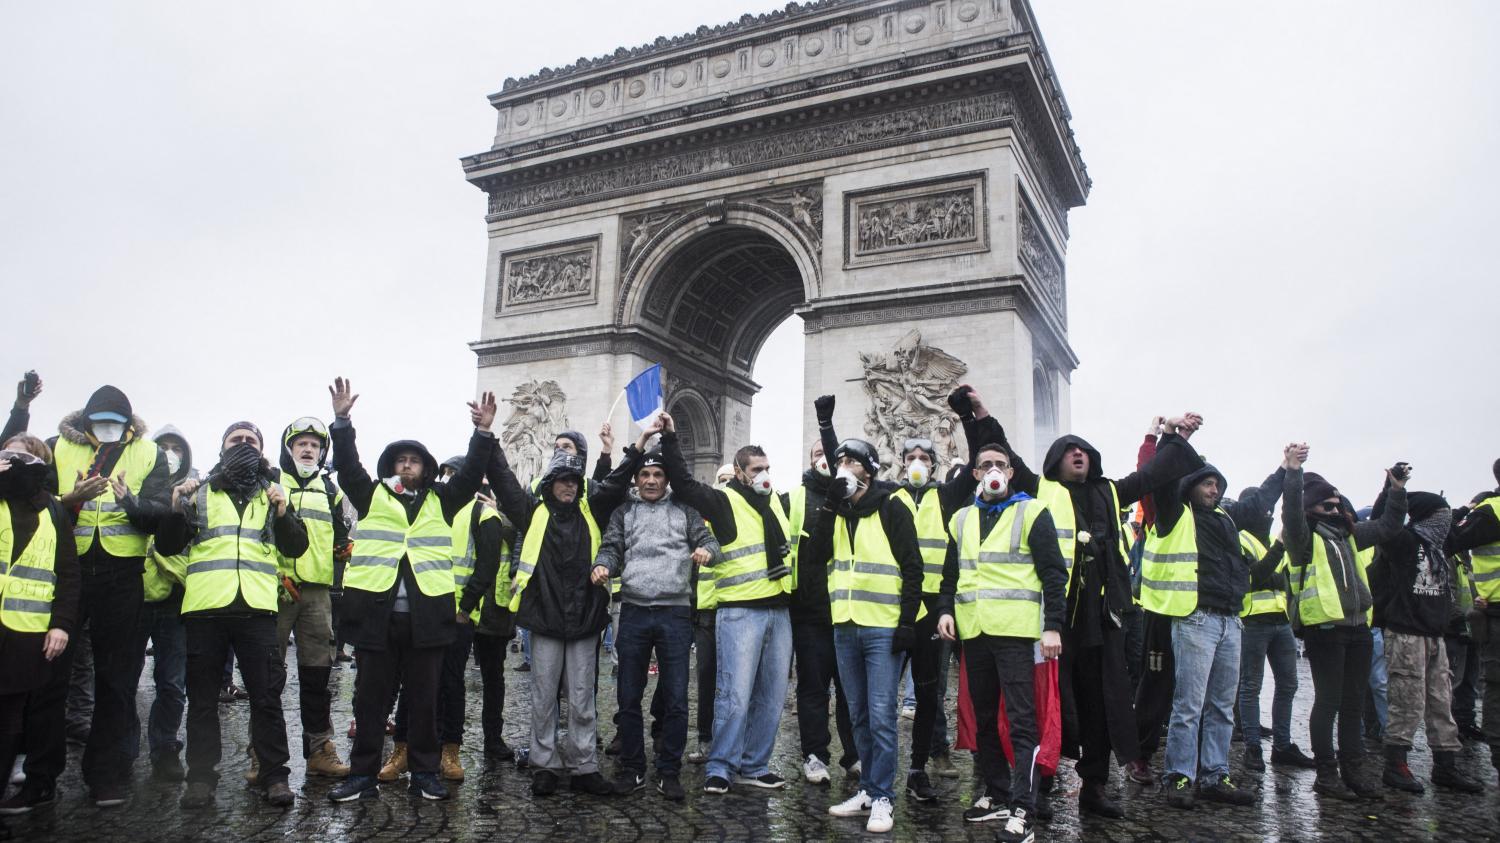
column 74, row 428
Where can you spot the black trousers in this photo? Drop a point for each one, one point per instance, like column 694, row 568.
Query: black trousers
column 413, row 669
column 45, row 733
column 1158, row 681
column 252, row 639
column 706, row 643
column 926, row 658
column 1097, row 717
column 1000, row 672
column 112, row 597
column 817, row 666
column 489, row 652
column 1339, row 657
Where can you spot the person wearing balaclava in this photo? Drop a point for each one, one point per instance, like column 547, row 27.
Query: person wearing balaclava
column 41, row 588
column 1328, row 554
column 232, row 526
column 868, row 542
column 555, row 598
column 752, row 628
column 813, row 658
column 932, row 504
column 1413, row 596
column 1093, row 683
column 398, row 606
column 306, row 605
column 99, row 448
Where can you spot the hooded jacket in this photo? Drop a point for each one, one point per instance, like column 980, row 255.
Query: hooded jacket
column 146, row 510
column 649, row 545
column 900, row 530
column 363, row 615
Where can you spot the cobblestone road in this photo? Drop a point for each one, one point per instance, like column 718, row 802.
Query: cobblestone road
column 495, row 802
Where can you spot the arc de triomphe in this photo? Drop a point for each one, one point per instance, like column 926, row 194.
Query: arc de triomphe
column 897, row 174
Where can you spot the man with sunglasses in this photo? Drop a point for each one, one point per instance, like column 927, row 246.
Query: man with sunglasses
column 931, row 505
column 305, row 606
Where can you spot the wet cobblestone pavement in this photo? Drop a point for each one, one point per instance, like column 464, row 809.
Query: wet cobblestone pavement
column 495, row 802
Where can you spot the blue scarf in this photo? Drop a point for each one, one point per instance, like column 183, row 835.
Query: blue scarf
column 999, row 506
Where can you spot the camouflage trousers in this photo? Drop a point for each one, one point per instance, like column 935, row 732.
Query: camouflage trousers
column 1419, row 690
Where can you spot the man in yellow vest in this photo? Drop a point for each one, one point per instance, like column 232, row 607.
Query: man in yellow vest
column 398, row 605
column 867, row 539
column 931, row 504
column 1002, row 594
column 306, row 606
column 232, row 526
column 103, row 441
column 1328, row 555
column 1093, row 683
column 1479, row 535
column 753, row 632
column 564, row 611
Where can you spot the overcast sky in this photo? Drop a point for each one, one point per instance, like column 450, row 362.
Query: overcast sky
column 218, row 207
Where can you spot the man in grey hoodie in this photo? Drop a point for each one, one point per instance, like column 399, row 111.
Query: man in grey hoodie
column 653, row 544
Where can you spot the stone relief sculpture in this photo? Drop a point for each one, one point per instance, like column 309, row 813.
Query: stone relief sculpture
column 538, row 412
column 908, row 391
column 935, row 218
column 556, row 276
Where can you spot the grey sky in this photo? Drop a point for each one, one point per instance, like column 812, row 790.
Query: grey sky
column 219, row 207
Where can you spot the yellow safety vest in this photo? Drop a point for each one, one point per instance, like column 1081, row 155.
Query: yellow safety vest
column 531, row 550
column 1266, row 601
column 999, row 592
column 741, row 573
column 1485, row 559
column 1315, row 590
column 384, row 536
column 463, row 551
column 29, row 583
column 864, row 578
column 932, row 535
column 102, row 515
column 1060, row 503
column 162, row 573
column 311, row 502
column 232, row 553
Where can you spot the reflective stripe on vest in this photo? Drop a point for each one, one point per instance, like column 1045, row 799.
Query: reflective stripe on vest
column 232, row 554
column 864, row 578
column 932, row 535
column 311, row 502
column 28, row 584
column 1059, row 503
column 741, row 573
column 1315, row 589
column 999, row 592
column 384, row 536
column 1485, row 559
column 102, row 516
column 1267, row 601
column 531, row 550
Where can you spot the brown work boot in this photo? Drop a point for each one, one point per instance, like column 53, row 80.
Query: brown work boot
column 450, row 767
column 395, row 765
column 252, row 775
column 324, row 761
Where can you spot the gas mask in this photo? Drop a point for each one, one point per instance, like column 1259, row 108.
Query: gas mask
column 918, row 473
column 994, row 483
column 107, row 431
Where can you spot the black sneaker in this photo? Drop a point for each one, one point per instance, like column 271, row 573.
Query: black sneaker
column 592, row 784
column 716, row 784
column 769, row 781
column 167, row 767
column 1179, row 791
column 918, row 787
column 1291, row 756
column 671, row 788
column 629, row 781
column 1223, row 790
column 987, row 808
column 1017, row 828
column 354, row 787
column 427, row 786
column 28, row 799
column 543, row 783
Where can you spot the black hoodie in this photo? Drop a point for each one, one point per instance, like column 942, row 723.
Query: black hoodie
column 900, row 530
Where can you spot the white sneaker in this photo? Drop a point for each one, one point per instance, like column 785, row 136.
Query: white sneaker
column 855, row 806
column 814, row 770
column 880, row 816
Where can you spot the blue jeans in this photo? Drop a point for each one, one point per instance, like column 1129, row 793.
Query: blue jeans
column 755, row 655
column 870, row 673
column 1262, row 641
column 668, row 630
column 161, row 623
column 1206, row 647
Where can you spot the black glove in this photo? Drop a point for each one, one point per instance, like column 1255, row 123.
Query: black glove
column 904, row 638
column 823, row 406
column 958, row 399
